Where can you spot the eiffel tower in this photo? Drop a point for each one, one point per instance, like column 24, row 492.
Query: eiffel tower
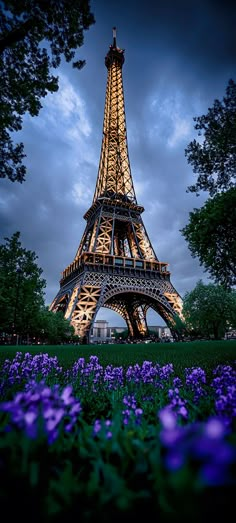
column 115, row 265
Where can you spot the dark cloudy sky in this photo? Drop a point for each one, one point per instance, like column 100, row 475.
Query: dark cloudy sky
column 179, row 56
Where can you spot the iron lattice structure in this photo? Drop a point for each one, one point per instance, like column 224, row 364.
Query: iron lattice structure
column 115, row 265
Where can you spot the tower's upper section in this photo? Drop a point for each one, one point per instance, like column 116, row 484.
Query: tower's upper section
column 114, row 180
column 114, row 53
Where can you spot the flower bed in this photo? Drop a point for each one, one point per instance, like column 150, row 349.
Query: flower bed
column 94, row 442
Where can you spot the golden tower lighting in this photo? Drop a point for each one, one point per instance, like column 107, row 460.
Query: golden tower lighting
column 115, row 265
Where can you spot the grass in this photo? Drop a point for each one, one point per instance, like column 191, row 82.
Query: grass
column 117, row 463
column 205, row 354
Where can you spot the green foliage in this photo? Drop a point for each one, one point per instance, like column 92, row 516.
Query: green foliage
column 214, row 160
column 210, row 310
column 35, row 35
column 178, row 327
column 122, row 335
column 53, row 328
column 211, row 230
column 22, row 309
column 211, row 235
column 181, row 354
column 21, row 287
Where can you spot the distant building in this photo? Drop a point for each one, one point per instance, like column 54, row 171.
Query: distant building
column 102, row 333
column 162, row 331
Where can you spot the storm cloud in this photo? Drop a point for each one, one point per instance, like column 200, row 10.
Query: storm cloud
column 179, row 57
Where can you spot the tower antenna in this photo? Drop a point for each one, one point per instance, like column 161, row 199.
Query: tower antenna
column 114, row 36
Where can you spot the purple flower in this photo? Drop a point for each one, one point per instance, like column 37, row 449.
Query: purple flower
column 102, row 429
column 224, row 386
column 205, row 444
column 132, row 413
column 97, row 427
column 88, row 375
column 174, row 459
column 113, row 377
column 195, row 381
column 25, row 367
column 168, row 418
column 40, row 405
column 177, row 404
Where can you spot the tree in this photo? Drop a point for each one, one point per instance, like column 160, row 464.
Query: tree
column 121, row 335
column 178, row 327
column 214, row 160
column 211, row 235
column 53, row 327
column 21, row 287
column 35, row 35
column 211, row 230
column 209, row 310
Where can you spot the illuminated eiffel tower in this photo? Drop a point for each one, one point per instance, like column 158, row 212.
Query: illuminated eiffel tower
column 115, row 265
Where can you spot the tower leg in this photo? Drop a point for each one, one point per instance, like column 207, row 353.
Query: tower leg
column 84, row 310
column 137, row 321
column 140, row 319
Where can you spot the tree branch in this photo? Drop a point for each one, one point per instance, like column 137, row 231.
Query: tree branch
column 17, row 34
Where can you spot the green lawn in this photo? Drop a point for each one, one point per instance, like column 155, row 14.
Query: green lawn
column 206, row 354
